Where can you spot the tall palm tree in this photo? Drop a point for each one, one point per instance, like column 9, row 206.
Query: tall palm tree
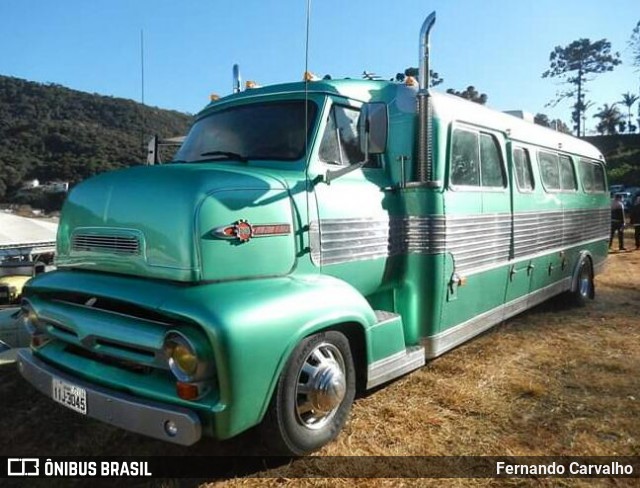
column 610, row 118
column 628, row 99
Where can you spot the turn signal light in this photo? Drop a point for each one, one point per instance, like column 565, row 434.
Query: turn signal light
column 187, row 391
column 410, row 81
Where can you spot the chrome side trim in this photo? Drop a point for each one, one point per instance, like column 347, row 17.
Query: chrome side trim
column 476, row 242
column 444, row 341
column 396, row 365
column 346, row 240
column 537, row 232
column 115, row 408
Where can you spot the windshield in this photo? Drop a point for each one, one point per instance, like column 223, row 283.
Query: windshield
column 273, row 130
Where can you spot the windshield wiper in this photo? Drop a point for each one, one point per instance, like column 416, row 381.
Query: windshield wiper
column 226, row 155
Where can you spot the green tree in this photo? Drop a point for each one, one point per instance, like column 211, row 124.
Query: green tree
column 628, row 100
column 634, row 44
column 610, row 119
column 574, row 64
column 436, row 79
column 557, row 124
column 50, row 133
column 470, row 93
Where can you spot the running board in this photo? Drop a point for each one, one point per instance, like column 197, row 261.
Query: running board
column 396, row 365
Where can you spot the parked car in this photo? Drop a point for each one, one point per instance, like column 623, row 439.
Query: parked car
column 626, row 199
column 613, row 189
column 13, row 334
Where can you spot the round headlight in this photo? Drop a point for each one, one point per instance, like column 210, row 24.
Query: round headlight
column 182, row 357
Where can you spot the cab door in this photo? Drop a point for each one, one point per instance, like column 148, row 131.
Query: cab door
column 351, row 236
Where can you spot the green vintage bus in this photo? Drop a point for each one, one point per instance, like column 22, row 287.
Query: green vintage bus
column 310, row 240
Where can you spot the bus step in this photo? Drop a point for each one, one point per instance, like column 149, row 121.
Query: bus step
column 386, row 369
column 384, row 316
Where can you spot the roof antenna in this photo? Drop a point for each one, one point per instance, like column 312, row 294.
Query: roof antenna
column 142, row 129
column 307, row 77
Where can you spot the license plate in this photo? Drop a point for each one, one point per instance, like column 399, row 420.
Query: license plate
column 71, row 396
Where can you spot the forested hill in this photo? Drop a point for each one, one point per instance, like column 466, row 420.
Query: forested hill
column 50, row 132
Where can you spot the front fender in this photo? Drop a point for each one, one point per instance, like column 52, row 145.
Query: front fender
column 254, row 325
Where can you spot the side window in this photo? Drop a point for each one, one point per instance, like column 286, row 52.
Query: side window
column 340, row 143
column 592, row 176
column 465, row 160
column 490, row 162
column 599, row 182
column 567, row 174
column 586, row 175
column 522, row 169
column 549, row 171
column 329, row 147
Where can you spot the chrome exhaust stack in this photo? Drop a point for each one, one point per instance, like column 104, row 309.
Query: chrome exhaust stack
column 424, row 167
column 237, row 79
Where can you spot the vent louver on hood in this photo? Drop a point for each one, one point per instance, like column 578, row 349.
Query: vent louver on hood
column 106, row 243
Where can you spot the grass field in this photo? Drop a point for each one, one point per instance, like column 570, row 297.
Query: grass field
column 555, row 380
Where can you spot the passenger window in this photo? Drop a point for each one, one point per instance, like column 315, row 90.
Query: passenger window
column 586, row 175
column 567, row 174
column 465, row 160
column 599, row 182
column 592, row 176
column 548, row 163
column 340, row 143
column 490, row 162
column 522, row 169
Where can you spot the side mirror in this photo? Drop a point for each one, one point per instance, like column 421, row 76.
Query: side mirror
column 373, row 128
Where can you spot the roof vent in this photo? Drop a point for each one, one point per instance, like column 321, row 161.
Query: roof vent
column 521, row 114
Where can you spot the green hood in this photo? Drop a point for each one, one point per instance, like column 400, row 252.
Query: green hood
column 158, row 222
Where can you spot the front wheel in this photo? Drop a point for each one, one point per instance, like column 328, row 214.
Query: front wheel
column 313, row 396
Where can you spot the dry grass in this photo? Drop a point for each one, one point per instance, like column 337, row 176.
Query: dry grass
column 553, row 381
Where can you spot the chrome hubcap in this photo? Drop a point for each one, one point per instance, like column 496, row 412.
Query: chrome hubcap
column 585, row 283
column 321, row 386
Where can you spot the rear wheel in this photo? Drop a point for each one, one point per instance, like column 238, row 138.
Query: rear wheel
column 585, row 288
column 313, row 397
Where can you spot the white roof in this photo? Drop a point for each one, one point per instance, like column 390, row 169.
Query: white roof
column 450, row 108
column 21, row 235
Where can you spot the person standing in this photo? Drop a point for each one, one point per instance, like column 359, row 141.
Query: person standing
column 617, row 221
column 635, row 220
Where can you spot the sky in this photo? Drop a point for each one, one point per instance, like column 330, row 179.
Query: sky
column 501, row 47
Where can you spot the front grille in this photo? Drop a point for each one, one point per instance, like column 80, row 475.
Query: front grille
column 116, row 244
column 109, row 360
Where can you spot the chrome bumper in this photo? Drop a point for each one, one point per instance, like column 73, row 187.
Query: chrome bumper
column 118, row 409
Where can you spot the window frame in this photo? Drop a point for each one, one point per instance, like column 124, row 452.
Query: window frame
column 480, row 187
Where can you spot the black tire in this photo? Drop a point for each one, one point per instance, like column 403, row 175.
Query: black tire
column 585, row 287
column 301, row 418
